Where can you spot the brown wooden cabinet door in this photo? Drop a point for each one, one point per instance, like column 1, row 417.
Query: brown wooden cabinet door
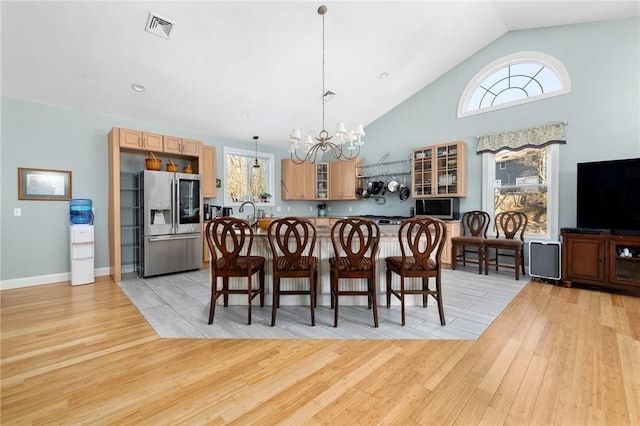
column 130, row 139
column 342, row 180
column 624, row 268
column 439, row 171
column 298, row 180
column 208, row 172
column 453, row 230
column 172, row 145
column 584, row 257
column 191, row 147
column 152, row 142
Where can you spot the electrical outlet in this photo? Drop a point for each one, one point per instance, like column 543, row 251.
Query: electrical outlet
column 329, row 208
column 350, row 209
column 310, row 208
column 278, row 209
column 288, row 208
column 17, row 211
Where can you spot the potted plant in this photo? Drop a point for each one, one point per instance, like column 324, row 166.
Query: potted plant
column 264, row 196
column 322, row 209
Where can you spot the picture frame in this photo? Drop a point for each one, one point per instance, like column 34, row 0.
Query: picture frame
column 44, row 184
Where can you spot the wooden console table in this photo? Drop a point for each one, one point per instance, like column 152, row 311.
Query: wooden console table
column 601, row 259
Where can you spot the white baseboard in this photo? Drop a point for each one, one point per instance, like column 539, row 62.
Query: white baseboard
column 44, row 279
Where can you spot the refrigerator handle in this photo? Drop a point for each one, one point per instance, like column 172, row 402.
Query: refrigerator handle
column 174, row 207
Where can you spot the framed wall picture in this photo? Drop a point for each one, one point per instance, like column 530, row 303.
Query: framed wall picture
column 42, row 184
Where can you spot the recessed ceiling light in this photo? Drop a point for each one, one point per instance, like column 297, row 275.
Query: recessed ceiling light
column 137, row 87
column 384, row 75
column 245, row 115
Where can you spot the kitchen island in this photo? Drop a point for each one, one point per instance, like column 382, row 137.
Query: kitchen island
column 389, row 246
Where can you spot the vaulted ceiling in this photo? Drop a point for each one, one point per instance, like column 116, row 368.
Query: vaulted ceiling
column 236, row 69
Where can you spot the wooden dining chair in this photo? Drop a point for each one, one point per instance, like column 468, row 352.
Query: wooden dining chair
column 292, row 241
column 355, row 246
column 230, row 241
column 510, row 227
column 474, row 226
column 421, row 243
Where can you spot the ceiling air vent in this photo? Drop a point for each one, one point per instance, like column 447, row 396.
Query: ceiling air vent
column 159, row 26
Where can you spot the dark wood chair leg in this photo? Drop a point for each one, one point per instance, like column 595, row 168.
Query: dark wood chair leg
column 487, row 255
column 249, row 300
column 439, row 300
column 454, row 255
column 374, row 302
column 402, row 314
column 388, row 287
column 334, row 285
column 312, row 297
column 262, row 288
column 276, row 300
column 315, row 294
column 214, row 298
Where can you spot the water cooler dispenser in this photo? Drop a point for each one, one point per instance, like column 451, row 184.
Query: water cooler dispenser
column 81, row 242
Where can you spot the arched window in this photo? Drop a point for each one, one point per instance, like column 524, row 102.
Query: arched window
column 512, row 80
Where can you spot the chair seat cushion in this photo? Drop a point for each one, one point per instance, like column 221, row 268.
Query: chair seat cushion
column 303, row 263
column 477, row 241
column 242, row 263
column 343, row 264
column 504, row 243
column 395, row 263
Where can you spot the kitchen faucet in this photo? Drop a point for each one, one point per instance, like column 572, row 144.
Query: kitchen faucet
column 255, row 218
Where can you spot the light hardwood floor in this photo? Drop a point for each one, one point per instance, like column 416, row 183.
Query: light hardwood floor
column 84, row 355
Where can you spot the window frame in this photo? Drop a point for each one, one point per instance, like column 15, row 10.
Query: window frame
column 540, row 58
column 270, row 163
column 553, row 184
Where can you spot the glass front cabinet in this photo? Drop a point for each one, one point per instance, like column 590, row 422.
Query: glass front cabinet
column 439, row 171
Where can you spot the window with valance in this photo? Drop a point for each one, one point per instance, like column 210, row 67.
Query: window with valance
column 520, row 172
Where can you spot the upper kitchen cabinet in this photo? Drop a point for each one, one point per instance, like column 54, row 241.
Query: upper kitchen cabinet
column 208, row 171
column 136, row 139
column 322, row 180
column 298, row 180
column 439, row 171
column 181, row 146
column 342, row 180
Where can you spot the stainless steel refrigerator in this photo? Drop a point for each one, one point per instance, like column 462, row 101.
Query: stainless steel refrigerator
column 171, row 218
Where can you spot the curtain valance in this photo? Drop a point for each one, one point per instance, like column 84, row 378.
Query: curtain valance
column 515, row 140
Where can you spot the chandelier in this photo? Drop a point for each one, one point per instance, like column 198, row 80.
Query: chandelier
column 347, row 143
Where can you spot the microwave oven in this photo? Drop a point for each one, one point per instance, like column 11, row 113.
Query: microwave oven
column 440, row 208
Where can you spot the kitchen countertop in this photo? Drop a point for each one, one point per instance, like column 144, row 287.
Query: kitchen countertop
column 325, row 231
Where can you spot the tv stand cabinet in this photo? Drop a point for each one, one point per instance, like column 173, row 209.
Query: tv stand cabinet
column 601, row 259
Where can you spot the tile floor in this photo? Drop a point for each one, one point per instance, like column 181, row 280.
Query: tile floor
column 177, row 306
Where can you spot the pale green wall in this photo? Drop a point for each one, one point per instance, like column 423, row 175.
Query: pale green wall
column 603, row 108
column 603, row 60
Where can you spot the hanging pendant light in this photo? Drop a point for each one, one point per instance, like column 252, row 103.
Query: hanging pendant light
column 256, row 165
column 349, row 142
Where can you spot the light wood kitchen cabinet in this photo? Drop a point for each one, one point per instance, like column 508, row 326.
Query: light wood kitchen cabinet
column 439, row 171
column 298, row 180
column 342, row 180
column 136, row 139
column 208, row 173
column 322, row 180
column 453, row 230
column 175, row 145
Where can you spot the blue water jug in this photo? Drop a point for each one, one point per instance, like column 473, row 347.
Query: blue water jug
column 80, row 211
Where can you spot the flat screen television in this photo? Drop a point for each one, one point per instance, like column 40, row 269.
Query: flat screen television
column 609, row 196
